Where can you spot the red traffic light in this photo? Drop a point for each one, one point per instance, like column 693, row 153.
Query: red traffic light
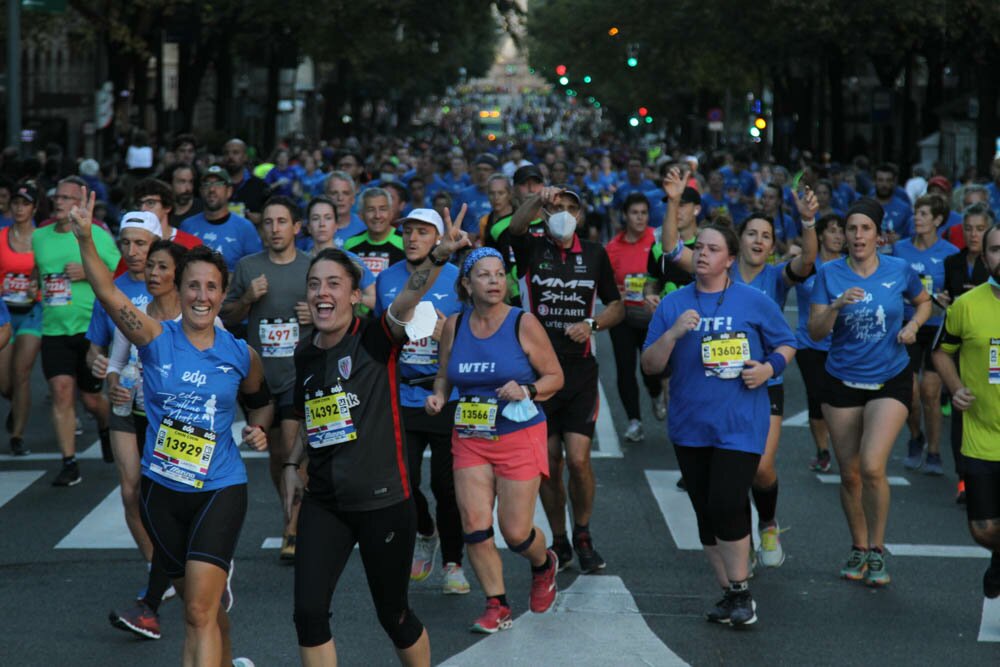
column 643, row 111
column 561, row 70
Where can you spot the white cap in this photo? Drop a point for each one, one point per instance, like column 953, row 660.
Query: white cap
column 89, row 167
column 691, row 158
column 426, row 215
column 146, row 220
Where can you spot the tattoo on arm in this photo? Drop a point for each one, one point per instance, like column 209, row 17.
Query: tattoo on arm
column 417, row 279
column 130, row 318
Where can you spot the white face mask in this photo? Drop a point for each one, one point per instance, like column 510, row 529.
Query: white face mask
column 561, row 225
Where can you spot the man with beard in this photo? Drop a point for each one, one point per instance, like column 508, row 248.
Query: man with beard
column 898, row 222
column 220, row 229
column 183, row 180
column 185, row 148
column 248, row 191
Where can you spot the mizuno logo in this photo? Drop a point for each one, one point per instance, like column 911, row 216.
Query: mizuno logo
column 438, row 295
column 889, row 285
column 935, row 260
column 225, row 369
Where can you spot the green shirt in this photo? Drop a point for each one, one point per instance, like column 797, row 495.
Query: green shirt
column 66, row 304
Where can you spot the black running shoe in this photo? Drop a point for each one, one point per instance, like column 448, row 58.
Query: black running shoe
column 744, row 609
column 562, row 549
column 68, row 476
column 590, row 560
column 17, row 447
column 722, row 610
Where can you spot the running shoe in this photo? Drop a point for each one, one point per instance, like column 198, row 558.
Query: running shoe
column 660, row 407
column 856, row 565
column 69, row 475
column 423, row 556
column 915, row 453
column 139, row 619
column 243, row 662
column 543, row 586
column 822, row 461
column 771, row 554
column 876, row 575
column 634, row 431
column 991, row 582
column 590, row 561
column 287, row 552
column 496, row 617
column 561, row 547
column 722, row 610
column 455, row 582
column 743, row 610
column 227, row 594
column 932, row 465
column 17, row 447
column 960, row 492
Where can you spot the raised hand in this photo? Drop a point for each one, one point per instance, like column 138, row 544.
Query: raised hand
column 673, row 184
column 82, row 217
column 808, row 205
column 454, row 238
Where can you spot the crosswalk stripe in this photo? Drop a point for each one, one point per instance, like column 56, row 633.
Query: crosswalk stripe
column 835, row 479
column 608, row 445
column 938, row 550
column 103, row 528
column 798, row 419
column 12, row 482
column 677, row 511
column 989, row 624
column 596, row 617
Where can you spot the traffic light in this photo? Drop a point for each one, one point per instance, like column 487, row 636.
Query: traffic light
column 633, row 121
column 632, row 61
column 587, row 79
column 633, row 55
column 643, row 111
column 563, row 80
column 561, row 70
column 613, row 30
column 760, row 123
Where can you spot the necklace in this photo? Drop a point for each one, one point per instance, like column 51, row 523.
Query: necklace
column 718, row 303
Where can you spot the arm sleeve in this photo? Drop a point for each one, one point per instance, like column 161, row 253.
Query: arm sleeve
column 121, row 349
column 607, row 289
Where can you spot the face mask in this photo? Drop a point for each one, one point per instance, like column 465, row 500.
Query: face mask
column 993, row 282
column 520, row 411
column 561, row 225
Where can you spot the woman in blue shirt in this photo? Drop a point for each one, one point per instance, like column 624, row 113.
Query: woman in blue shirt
column 194, row 483
column 860, row 300
column 723, row 342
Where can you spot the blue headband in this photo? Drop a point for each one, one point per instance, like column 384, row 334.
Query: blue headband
column 478, row 254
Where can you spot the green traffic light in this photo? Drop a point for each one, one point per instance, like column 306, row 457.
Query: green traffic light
column 632, row 61
column 587, row 79
column 649, row 119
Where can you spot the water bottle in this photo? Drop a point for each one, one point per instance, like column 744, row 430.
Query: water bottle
column 128, row 379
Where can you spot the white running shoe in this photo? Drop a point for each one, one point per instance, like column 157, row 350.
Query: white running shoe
column 771, row 553
column 660, row 407
column 423, row 556
column 634, row 431
column 455, row 582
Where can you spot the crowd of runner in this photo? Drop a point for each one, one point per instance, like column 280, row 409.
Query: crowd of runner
column 352, row 309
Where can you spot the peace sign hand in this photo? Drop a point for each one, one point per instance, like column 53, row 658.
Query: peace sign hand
column 453, row 238
column 82, row 217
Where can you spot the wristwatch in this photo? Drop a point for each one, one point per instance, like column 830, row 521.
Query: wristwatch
column 593, row 324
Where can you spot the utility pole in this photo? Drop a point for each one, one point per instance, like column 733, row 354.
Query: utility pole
column 14, row 74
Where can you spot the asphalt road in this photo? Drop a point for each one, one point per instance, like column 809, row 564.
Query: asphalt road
column 64, row 562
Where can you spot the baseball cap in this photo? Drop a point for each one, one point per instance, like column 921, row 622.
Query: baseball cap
column 89, row 167
column 215, row 171
column 689, row 196
column 146, row 220
column 25, row 191
column 486, row 158
column 941, row 182
column 427, row 216
column 574, row 194
column 526, row 173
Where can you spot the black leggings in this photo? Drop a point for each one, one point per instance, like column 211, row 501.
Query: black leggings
column 325, row 541
column 812, row 366
column 627, row 340
column 718, row 483
column 419, row 435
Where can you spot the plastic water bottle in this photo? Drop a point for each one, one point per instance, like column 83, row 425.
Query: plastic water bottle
column 128, row 379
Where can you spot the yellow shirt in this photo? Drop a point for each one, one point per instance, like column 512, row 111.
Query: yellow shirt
column 972, row 327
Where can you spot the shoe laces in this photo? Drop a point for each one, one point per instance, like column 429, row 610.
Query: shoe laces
column 856, row 558
column 876, row 561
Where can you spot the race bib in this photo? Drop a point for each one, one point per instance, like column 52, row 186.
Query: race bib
column 724, row 355
column 928, row 283
column 15, row 289
column 634, row 285
column 867, row 386
column 57, row 289
column 476, row 417
column 328, row 418
column 994, row 369
column 183, row 452
column 278, row 337
column 239, row 208
column 423, row 352
column 376, row 263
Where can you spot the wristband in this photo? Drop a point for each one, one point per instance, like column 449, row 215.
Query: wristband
column 675, row 253
column 291, row 465
column 808, row 224
column 777, row 361
column 435, row 261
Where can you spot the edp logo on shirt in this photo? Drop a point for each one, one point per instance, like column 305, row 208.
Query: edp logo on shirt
column 197, row 378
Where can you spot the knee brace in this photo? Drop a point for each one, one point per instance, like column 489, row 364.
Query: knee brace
column 312, row 628
column 477, row 536
column 523, row 546
column 403, row 628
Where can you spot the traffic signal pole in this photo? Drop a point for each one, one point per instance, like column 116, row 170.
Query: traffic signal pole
column 14, row 74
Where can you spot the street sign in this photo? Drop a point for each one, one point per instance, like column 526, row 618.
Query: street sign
column 51, row 6
column 714, row 115
column 104, row 105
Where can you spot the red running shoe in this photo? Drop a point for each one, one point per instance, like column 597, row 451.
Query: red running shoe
column 496, row 617
column 139, row 619
column 543, row 586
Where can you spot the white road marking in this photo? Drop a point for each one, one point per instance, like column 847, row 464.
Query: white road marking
column 937, row 550
column 12, row 482
column 608, row 445
column 835, row 479
column 798, row 419
column 677, row 511
column 596, row 617
column 989, row 625
column 103, row 528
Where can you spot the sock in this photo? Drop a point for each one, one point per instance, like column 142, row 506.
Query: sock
column 502, row 599
column 69, row 460
column 578, row 528
column 857, row 548
column 544, row 566
column 877, row 550
column 738, row 586
column 559, row 539
column 766, row 501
